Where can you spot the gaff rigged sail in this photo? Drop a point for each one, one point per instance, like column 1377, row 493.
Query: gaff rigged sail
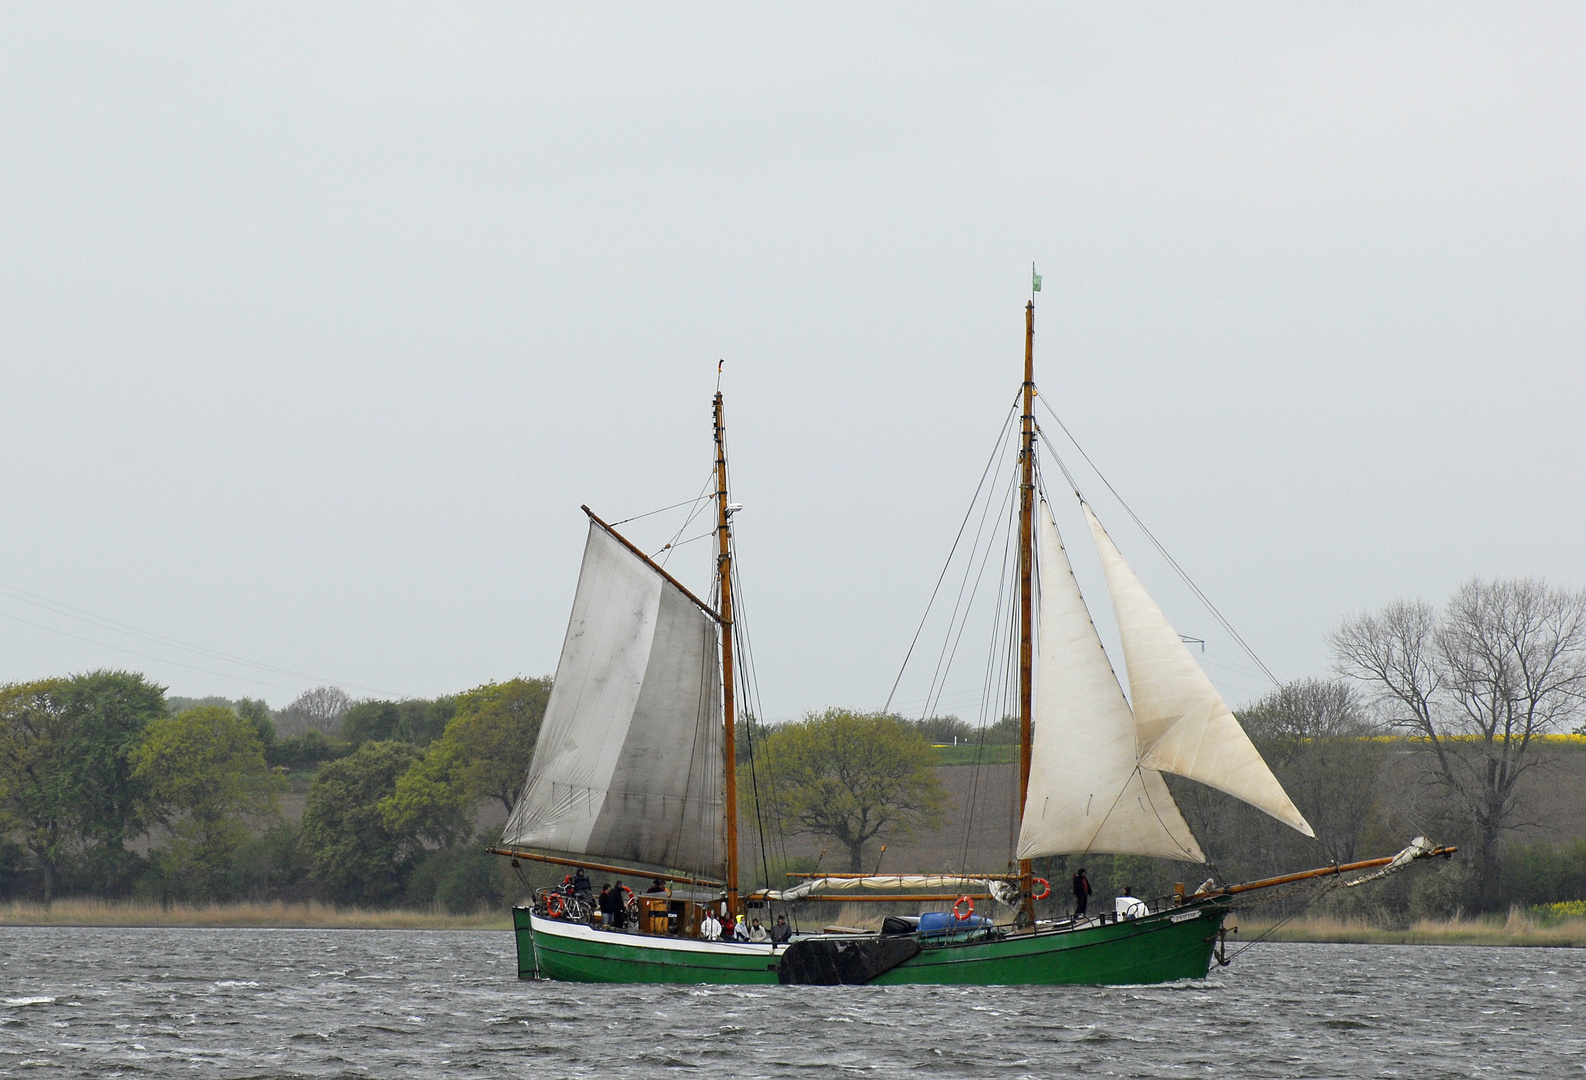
column 628, row 766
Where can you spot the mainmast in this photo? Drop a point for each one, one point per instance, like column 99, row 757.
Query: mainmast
column 724, row 577
column 1026, row 589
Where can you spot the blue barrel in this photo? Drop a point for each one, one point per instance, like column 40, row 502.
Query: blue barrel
column 942, row 922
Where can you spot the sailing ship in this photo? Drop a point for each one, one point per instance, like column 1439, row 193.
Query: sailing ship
column 634, row 773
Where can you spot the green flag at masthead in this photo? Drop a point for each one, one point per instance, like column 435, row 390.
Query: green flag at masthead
column 1035, row 279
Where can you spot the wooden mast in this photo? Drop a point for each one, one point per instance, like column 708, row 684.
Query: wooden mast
column 1026, row 590
column 724, row 576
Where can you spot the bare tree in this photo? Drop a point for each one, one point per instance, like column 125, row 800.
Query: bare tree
column 1504, row 663
column 320, row 709
column 1314, row 733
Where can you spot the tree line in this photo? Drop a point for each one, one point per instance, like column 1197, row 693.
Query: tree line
column 108, row 787
column 1434, row 718
column 1430, row 726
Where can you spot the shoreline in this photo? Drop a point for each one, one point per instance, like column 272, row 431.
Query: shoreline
column 1517, row 930
column 276, row 916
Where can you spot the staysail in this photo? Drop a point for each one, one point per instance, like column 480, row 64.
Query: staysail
column 628, row 766
column 1183, row 725
column 1088, row 791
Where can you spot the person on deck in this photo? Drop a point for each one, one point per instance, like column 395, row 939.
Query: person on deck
column 740, row 930
column 757, row 932
column 657, row 888
column 781, row 933
column 1081, row 893
column 583, row 888
column 709, row 928
column 606, row 908
column 619, row 907
column 1130, row 906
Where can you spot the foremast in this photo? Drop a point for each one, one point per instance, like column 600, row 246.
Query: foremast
column 1026, row 594
column 724, row 612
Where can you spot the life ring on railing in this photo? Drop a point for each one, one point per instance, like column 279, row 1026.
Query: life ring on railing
column 554, row 906
column 960, row 902
column 1046, row 889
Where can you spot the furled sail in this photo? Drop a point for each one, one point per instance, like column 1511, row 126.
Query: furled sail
column 1088, row 791
column 1183, row 725
column 628, row 765
column 878, row 882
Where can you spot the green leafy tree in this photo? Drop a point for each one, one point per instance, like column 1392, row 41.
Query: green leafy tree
column 67, row 774
column 852, row 777
column 356, row 856
column 495, row 730
column 257, row 713
column 204, row 774
column 483, row 755
column 299, row 751
column 37, row 801
column 431, row 799
column 109, row 711
column 416, row 721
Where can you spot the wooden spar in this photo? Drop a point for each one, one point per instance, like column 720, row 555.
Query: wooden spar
column 724, row 577
column 1324, row 871
column 837, row 877
column 651, row 563
column 604, row 867
column 892, row 898
column 1026, row 592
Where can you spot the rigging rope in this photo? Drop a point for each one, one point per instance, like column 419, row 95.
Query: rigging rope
column 700, row 502
column 664, row 509
column 996, row 449
column 1179, row 570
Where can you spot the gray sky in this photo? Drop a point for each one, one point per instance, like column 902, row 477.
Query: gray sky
column 318, row 325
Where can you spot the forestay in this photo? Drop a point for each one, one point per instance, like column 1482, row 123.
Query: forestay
column 629, row 766
column 1088, row 791
column 1184, row 726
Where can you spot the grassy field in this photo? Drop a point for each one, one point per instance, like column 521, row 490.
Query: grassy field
column 81, row 912
column 1518, row 928
column 976, row 755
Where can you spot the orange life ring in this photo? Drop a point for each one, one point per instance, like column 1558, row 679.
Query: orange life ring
column 554, row 907
column 960, row 902
column 627, row 896
column 1046, row 889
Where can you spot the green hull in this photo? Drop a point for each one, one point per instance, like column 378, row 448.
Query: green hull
column 1175, row 944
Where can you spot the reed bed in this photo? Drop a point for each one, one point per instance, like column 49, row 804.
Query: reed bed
column 1519, row 927
column 77, row 911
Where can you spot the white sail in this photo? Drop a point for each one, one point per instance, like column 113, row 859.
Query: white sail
column 1087, row 791
column 1183, row 725
column 629, row 765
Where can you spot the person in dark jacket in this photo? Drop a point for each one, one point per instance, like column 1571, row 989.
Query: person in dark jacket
column 1081, row 893
column 781, row 933
column 606, row 905
column 619, row 906
column 583, row 888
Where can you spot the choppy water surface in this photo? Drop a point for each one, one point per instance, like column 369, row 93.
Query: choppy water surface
column 284, row 1003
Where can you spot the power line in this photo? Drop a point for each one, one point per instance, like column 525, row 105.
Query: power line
column 56, row 607
column 145, row 656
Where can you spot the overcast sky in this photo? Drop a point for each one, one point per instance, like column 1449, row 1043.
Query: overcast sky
column 318, row 323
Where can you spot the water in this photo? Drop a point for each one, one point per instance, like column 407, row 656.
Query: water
column 343, row 1003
